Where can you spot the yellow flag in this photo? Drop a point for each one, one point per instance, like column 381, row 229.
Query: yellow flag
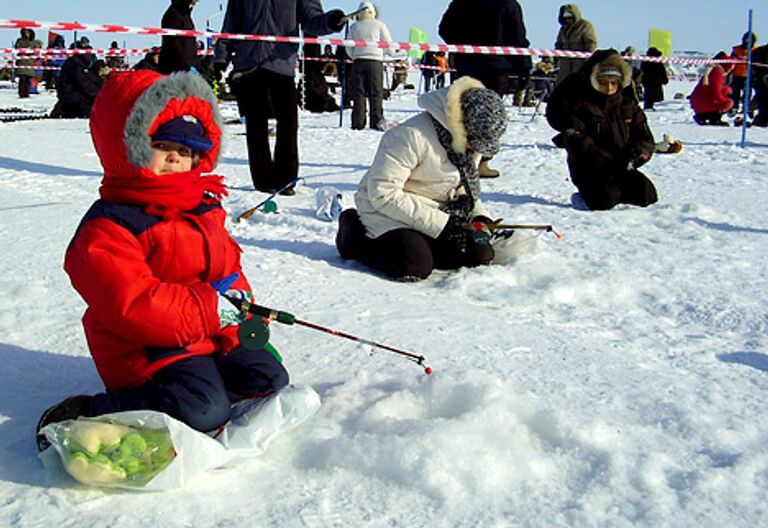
column 661, row 40
column 417, row 36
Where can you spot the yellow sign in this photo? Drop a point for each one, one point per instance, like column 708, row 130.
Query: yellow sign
column 661, row 40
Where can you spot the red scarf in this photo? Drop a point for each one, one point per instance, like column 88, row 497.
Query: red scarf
column 164, row 196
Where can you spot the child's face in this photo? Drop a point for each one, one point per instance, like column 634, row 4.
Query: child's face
column 169, row 157
column 607, row 85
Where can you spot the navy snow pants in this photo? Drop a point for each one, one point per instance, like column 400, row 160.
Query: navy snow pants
column 200, row 390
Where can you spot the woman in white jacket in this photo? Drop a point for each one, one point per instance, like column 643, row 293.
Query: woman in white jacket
column 418, row 206
column 367, row 77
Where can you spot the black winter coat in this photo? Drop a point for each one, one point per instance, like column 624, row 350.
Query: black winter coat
column 488, row 23
column 654, row 79
column 601, row 133
column 178, row 53
column 77, row 87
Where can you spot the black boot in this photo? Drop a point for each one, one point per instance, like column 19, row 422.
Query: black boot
column 351, row 234
column 69, row 409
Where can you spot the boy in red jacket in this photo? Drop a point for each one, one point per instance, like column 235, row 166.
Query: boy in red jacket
column 152, row 257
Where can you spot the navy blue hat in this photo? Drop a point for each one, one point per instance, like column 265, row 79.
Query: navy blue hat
column 185, row 130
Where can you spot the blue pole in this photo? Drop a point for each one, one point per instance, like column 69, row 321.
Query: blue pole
column 343, row 79
column 747, row 96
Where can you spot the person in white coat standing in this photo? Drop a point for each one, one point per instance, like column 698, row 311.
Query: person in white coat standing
column 418, row 206
column 367, row 76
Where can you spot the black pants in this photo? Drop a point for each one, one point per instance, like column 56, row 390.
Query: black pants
column 366, row 81
column 404, row 254
column 709, row 118
column 255, row 93
column 25, row 82
column 200, row 390
column 630, row 187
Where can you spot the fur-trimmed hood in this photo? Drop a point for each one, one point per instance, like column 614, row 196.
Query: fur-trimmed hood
column 445, row 106
column 607, row 59
column 131, row 105
column 573, row 8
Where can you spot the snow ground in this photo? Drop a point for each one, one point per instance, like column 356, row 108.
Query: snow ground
column 617, row 377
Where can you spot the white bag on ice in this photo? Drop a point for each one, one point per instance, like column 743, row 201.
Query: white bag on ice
column 506, row 249
column 330, row 203
column 150, row 451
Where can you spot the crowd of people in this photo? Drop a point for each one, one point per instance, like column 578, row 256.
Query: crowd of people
column 418, row 207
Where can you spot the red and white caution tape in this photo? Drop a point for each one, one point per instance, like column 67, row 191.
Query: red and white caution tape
column 404, row 46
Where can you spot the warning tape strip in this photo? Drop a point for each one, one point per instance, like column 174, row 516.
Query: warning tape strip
column 405, row 46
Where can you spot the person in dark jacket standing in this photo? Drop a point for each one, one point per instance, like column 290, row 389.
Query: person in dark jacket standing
column 263, row 72
column 25, row 66
column 576, row 34
column 489, row 23
column 178, row 53
column 604, row 132
column 78, row 84
column 654, row 79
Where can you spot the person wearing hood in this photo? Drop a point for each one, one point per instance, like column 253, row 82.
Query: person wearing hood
column 711, row 98
column 263, row 78
column 418, row 205
column 25, row 66
column 178, row 53
column 152, row 259
column 367, row 75
column 605, row 133
column 576, row 34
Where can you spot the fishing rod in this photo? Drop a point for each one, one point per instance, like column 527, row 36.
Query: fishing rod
column 254, row 333
column 499, row 226
column 247, row 214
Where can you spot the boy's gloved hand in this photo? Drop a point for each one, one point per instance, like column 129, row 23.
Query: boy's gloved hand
column 228, row 313
column 638, row 162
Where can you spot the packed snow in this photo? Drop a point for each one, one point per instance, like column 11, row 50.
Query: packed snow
column 616, row 377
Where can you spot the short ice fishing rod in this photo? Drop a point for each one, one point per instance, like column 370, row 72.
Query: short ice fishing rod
column 254, row 334
column 499, row 226
column 247, row 214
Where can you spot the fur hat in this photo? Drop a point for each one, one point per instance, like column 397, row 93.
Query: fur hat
column 485, row 120
column 609, row 64
column 185, row 130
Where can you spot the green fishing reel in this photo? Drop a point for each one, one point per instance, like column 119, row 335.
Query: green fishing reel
column 253, row 333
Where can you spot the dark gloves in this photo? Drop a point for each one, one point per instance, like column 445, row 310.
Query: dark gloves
column 465, row 236
column 336, row 19
column 638, row 162
column 218, row 70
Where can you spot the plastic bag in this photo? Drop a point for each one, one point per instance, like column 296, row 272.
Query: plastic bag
column 510, row 246
column 330, row 202
column 149, row 450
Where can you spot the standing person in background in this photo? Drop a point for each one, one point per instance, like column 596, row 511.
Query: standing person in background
column 654, row 78
column 51, row 76
column 428, row 71
column 25, row 67
column 178, row 53
column 264, row 72
column 739, row 74
column 576, row 34
column 368, row 69
column 490, row 23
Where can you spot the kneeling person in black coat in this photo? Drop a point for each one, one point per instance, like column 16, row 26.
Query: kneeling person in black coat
column 604, row 132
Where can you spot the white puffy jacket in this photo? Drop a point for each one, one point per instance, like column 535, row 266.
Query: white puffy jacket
column 411, row 175
column 368, row 28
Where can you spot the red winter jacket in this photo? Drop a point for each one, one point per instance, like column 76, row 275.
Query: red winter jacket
column 711, row 94
column 145, row 278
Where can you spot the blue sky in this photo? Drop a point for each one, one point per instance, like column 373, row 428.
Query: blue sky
column 705, row 25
